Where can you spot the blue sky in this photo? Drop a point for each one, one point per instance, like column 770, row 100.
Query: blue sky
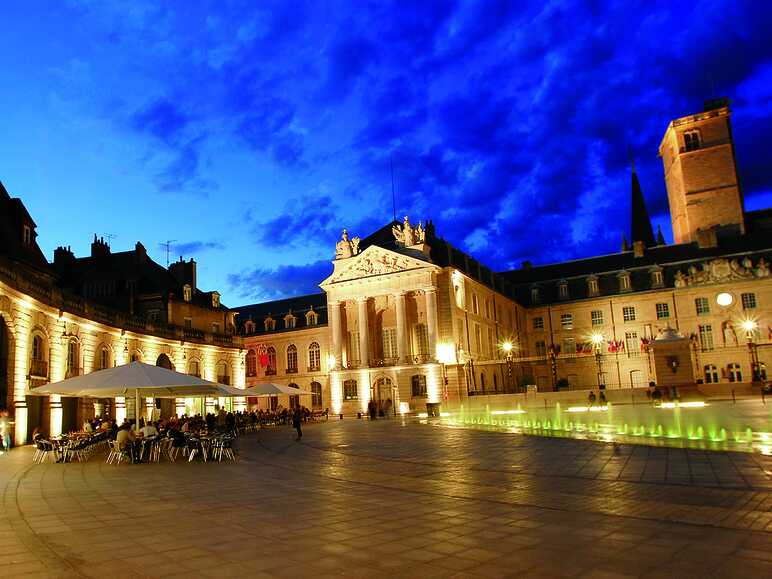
column 252, row 132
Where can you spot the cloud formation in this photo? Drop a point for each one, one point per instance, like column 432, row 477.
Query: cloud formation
column 263, row 284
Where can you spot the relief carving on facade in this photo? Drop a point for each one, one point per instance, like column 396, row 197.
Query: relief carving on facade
column 408, row 235
column 721, row 271
column 373, row 263
column 346, row 247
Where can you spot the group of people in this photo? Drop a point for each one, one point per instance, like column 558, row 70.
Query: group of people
column 376, row 408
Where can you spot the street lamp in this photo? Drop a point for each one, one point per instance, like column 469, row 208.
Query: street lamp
column 507, row 347
column 750, row 327
column 597, row 340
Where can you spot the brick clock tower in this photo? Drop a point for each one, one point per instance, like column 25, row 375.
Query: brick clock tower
column 701, row 173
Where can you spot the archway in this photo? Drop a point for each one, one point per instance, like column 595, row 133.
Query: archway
column 5, row 373
column 163, row 361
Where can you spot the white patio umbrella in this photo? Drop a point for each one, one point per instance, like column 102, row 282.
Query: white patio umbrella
column 270, row 389
column 141, row 380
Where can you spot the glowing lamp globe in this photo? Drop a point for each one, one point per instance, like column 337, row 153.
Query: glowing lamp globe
column 724, row 299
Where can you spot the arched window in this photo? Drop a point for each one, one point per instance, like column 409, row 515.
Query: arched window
column 136, row 356
column 270, row 323
column 163, row 361
column 314, row 357
column 312, row 318
column 711, row 374
column 692, row 140
column 294, row 400
column 292, row 359
column 223, row 372
column 735, row 374
column 249, row 327
column 270, row 370
column 37, row 348
column 194, row 368
column 103, row 358
column 350, row 390
column 73, row 359
column 38, row 363
column 251, row 362
column 316, row 397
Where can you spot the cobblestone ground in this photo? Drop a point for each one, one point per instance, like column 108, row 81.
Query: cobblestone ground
column 393, row 499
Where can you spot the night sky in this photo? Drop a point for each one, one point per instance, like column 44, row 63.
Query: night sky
column 252, row 132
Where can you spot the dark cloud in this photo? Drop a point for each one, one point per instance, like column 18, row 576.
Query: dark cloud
column 261, row 284
column 192, row 248
column 162, row 119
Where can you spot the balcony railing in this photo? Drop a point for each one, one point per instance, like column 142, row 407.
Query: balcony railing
column 192, row 334
column 314, row 368
column 251, row 373
column 224, row 380
column 377, row 362
column 292, row 371
column 270, row 371
column 38, row 368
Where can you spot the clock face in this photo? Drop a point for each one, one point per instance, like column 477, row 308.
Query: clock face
column 724, row 299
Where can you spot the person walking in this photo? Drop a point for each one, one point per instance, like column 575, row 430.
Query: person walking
column 5, row 430
column 297, row 419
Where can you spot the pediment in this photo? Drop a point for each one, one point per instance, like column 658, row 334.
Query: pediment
column 374, row 261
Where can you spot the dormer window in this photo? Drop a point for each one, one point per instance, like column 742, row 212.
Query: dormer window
column 289, row 321
column 27, row 235
column 249, row 327
column 535, row 295
column 691, row 141
column 624, row 281
column 270, row 324
column 215, row 300
column 187, row 293
column 312, row 318
column 563, row 289
column 656, row 278
column 593, row 289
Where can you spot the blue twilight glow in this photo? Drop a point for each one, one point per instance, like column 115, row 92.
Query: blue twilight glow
column 250, row 132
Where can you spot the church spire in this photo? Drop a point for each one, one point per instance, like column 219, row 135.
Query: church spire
column 641, row 224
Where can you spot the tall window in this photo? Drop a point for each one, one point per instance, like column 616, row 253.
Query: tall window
column 735, row 374
column 691, row 141
column 289, row 321
column 628, row 313
column 389, row 340
column 37, row 348
column 350, row 391
column 592, row 286
column 271, row 368
column 314, row 357
column 569, row 346
column 624, row 281
column 475, row 305
column 292, row 359
column 194, row 369
column 596, row 316
column 706, row 337
column 251, row 363
column 663, row 311
column 656, row 278
column 567, row 321
column 270, row 324
column 541, row 348
column 312, row 318
column 748, row 301
column 478, row 338
column 563, row 290
column 535, row 295
column 104, row 358
column 223, row 373
column 72, row 358
column 538, row 323
column 702, row 306
column 187, row 293
column 418, row 386
column 632, row 345
column 27, row 235
column 421, row 340
column 711, row 374
column 316, row 395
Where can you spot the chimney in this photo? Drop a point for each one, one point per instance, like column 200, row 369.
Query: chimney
column 140, row 252
column 63, row 256
column 99, row 248
column 184, row 272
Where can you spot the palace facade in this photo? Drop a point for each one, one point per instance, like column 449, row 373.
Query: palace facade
column 407, row 317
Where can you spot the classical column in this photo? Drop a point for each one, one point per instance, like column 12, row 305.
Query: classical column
column 431, row 320
column 364, row 335
column 337, row 338
column 22, row 338
column 399, row 299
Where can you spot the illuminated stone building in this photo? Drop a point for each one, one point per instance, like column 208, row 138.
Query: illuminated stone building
column 409, row 318
column 78, row 315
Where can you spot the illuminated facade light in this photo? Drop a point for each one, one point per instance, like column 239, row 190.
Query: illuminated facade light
column 724, row 299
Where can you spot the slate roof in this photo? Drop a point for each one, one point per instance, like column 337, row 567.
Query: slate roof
column 278, row 309
column 13, row 216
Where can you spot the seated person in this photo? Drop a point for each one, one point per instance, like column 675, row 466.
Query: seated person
column 149, row 430
column 87, row 426
column 125, row 437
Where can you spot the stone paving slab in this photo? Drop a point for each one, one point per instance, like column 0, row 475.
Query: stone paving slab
column 393, row 499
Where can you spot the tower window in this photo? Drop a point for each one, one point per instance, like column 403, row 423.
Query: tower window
column 691, row 141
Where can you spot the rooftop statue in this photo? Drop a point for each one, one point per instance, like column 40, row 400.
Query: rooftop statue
column 346, row 247
column 408, row 235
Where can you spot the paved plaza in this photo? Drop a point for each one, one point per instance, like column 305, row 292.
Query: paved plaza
column 394, row 499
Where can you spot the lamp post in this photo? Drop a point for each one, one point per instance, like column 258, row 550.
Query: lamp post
column 597, row 340
column 750, row 326
column 507, row 347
